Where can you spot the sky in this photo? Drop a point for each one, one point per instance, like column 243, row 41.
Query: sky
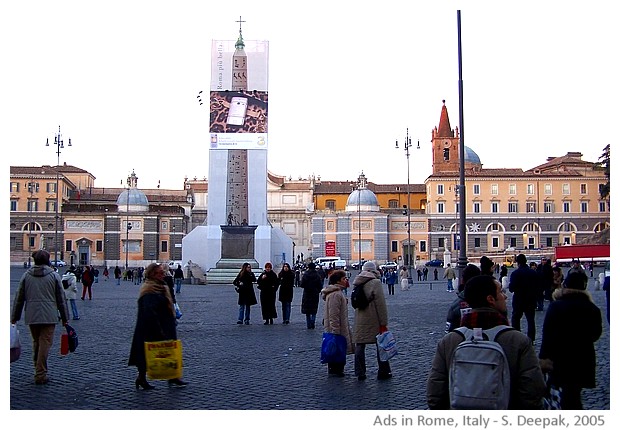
column 346, row 80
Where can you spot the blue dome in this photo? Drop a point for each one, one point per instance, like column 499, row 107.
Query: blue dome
column 132, row 199
column 471, row 156
column 364, row 196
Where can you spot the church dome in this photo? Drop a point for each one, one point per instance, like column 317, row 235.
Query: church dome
column 471, row 156
column 132, row 199
column 362, row 199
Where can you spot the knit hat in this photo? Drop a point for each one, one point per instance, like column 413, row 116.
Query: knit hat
column 369, row 266
column 485, row 263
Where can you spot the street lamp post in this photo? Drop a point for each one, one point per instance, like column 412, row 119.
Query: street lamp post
column 406, row 146
column 58, row 141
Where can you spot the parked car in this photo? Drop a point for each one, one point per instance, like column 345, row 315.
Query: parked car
column 434, row 263
column 356, row 265
column 58, row 263
column 387, row 266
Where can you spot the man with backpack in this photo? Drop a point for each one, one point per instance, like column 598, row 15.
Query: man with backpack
column 370, row 318
column 455, row 384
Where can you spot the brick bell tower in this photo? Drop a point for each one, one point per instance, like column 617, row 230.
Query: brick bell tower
column 445, row 143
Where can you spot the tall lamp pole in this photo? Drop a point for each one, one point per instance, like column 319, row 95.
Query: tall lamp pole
column 462, row 261
column 406, row 147
column 58, row 141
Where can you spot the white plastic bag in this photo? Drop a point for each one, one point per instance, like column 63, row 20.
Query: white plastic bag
column 387, row 345
column 16, row 347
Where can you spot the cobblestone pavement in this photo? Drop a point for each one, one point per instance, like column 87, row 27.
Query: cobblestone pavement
column 257, row 367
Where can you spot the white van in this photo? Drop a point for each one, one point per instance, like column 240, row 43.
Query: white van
column 326, row 261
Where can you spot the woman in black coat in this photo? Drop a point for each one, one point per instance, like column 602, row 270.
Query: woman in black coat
column 287, row 282
column 243, row 285
column 156, row 321
column 312, row 284
column 572, row 324
column 268, row 285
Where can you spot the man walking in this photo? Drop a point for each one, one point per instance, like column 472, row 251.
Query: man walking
column 178, row 278
column 40, row 292
column 524, row 286
column 527, row 386
column 450, row 275
column 370, row 321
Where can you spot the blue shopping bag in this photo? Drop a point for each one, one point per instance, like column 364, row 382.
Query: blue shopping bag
column 333, row 348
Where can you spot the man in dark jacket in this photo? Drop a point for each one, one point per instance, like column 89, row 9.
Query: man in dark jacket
column 459, row 306
column 524, row 286
column 572, row 324
column 178, row 278
column 312, row 284
column 40, row 291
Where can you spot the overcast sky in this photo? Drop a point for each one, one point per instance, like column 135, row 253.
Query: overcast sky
column 345, row 81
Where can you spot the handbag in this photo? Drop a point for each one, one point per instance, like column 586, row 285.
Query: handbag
column 72, row 338
column 333, row 348
column 164, row 359
column 16, row 347
column 553, row 396
column 177, row 311
column 387, row 345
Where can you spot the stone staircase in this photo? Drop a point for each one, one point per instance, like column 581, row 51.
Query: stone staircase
column 226, row 270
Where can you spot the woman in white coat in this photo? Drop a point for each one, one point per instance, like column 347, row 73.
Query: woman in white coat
column 69, row 283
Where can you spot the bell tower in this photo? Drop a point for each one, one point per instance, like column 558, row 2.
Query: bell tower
column 445, row 143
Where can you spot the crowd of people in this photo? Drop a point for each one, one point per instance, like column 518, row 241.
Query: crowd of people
column 572, row 322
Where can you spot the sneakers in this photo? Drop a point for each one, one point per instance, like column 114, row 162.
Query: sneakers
column 239, row 322
column 247, row 322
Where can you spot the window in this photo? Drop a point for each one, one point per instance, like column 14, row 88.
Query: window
column 393, row 204
column 494, row 189
column 476, row 242
column 164, row 225
column 440, row 189
column 99, row 246
column 512, row 189
column 548, row 207
column 495, row 242
column 530, row 189
column 513, row 207
column 440, row 208
column 513, row 242
column 446, row 154
column 583, row 189
column 584, row 207
column 33, row 187
column 330, row 204
column 14, row 205
column 422, row 246
column 394, row 246
column 442, row 242
column 601, row 206
column 495, row 207
column 15, row 187
column 476, row 207
column 68, row 246
column 50, row 187
column 531, row 207
column 457, row 208
column 548, row 189
column 566, row 206
column 549, row 241
column 476, row 189
column 164, row 246
column 566, row 189
column 30, row 241
column 50, row 206
column 33, row 206
column 601, row 187
column 495, row 226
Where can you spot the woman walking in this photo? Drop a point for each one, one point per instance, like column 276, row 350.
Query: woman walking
column 336, row 315
column 286, row 277
column 268, row 286
column 156, row 321
column 312, row 284
column 70, row 285
column 243, row 285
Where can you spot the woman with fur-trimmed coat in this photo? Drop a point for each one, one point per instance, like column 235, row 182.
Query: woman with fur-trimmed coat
column 336, row 315
column 572, row 324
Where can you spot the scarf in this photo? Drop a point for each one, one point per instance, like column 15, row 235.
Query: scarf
column 484, row 318
column 151, row 286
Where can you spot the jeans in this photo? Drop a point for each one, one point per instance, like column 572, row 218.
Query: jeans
column 450, row 286
column 74, row 308
column 286, row 311
column 242, row 309
column 310, row 320
column 42, row 338
column 118, row 281
column 517, row 314
column 360, row 361
column 177, row 282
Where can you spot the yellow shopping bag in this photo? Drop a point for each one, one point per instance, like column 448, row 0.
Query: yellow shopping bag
column 164, row 359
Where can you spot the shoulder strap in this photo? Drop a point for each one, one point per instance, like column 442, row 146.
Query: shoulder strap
column 492, row 333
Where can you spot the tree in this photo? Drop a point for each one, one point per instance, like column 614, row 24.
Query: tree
column 604, row 162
